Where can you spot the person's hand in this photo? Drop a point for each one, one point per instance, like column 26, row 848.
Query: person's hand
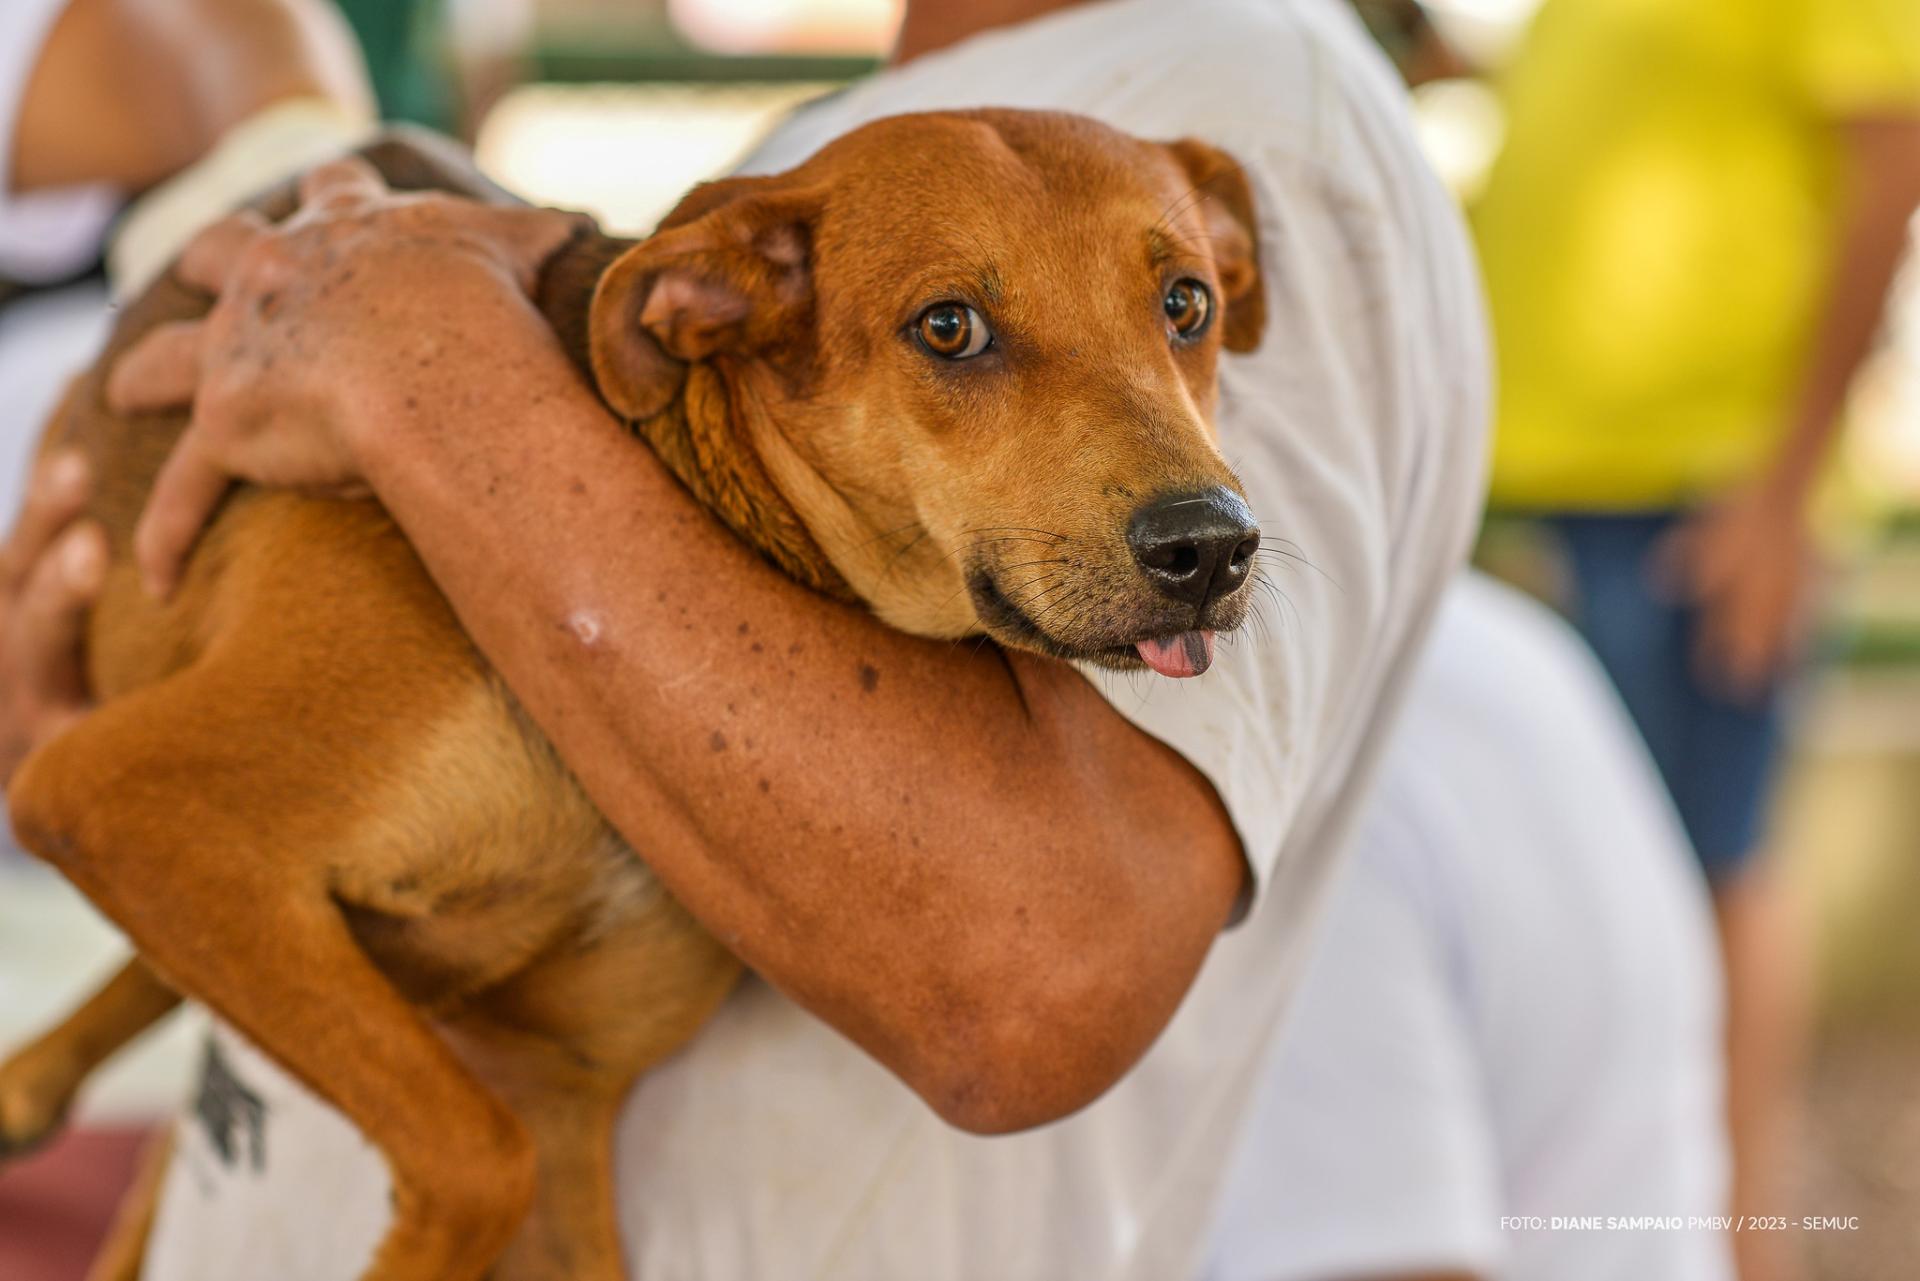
column 346, row 317
column 51, row 567
column 1748, row 564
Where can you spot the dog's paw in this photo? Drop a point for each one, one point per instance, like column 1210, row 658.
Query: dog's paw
column 33, row 1103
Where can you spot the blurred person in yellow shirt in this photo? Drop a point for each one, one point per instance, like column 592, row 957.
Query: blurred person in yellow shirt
column 1689, row 240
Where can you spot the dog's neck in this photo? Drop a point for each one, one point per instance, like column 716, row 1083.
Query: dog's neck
column 699, row 435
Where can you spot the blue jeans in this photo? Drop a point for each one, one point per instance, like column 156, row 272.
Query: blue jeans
column 1719, row 755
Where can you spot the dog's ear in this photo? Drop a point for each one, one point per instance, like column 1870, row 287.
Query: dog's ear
column 729, row 271
column 1227, row 205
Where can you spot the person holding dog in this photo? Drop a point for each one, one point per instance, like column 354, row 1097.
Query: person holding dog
column 1126, row 831
column 1230, row 803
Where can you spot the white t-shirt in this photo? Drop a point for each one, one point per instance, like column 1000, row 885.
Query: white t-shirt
column 1512, row 1007
column 44, row 235
column 771, row 1148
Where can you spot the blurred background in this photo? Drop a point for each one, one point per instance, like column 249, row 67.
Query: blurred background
column 617, row 106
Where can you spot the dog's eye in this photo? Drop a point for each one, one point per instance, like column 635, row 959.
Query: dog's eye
column 953, row 331
column 1189, row 305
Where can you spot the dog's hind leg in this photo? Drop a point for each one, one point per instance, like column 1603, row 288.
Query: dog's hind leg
column 169, row 794
column 571, row 1233
column 38, row 1082
column 563, row 1043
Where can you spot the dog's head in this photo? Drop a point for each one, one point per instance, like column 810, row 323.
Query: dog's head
column 975, row 352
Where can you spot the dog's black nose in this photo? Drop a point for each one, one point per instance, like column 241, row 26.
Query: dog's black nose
column 1195, row 547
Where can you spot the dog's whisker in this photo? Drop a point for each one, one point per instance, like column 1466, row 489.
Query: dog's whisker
column 1269, row 597
column 1187, row 198
column 1295, row 558
column 1279, row 599
column 1070, row 599
column 898, row 559
column 1046, row 587
column 1188, row 240
column 1030, row 604
column 910, row 544
column 962, row 590
column 1273, row 543
column 1018, row 529
column 1032, row 545
column 1295, row 563
column 1000, row 534
column 890, row 533
column 1029, row 564
column 1193, row 195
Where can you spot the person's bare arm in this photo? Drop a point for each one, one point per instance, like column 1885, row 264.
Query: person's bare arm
column 1405, row 33
column 1748, row 559
column 130, row 91
column 963, row 859
column 1884, row 166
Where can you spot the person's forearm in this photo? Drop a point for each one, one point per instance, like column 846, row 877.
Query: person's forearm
column 129, row 91
column 1885, row 163
column 967, row 862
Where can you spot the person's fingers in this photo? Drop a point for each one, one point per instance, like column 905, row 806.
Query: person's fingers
column 55, row 496
column 1716, row 662
column 209, row 258
column 1745, row 641
column 49, row 629
column 1752, row 662
column 190, row 485
column 1742, row 654
column 161, row 371
column 341, row 184
column 1723, row 560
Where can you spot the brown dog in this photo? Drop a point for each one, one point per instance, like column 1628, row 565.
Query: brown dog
column 960, row 367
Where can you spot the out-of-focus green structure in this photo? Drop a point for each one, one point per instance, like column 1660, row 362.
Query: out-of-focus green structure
column 407, row 52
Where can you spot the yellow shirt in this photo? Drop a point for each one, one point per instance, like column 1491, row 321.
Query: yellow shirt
column 1660, row 231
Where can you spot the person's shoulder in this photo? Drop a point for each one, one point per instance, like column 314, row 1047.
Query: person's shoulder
column 1303, row 100
column 1296, row 82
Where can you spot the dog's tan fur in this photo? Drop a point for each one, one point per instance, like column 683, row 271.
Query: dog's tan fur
column 313, row 806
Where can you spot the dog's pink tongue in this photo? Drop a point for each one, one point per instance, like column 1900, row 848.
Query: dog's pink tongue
column 1187, row 654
